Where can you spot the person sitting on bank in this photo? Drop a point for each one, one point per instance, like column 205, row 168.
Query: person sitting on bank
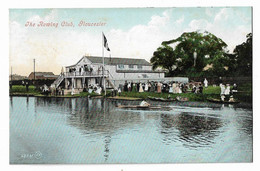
column 227, row 92
column 234, row 89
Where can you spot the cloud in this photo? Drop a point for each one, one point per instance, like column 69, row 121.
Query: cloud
column 53, row 48
column 201, row 24
column 180, row 20
column 225, row 26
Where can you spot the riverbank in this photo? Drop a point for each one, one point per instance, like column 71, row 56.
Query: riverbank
column 244, row 94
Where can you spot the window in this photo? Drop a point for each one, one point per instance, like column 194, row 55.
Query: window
column 145, row 75
column 139, row 66
column 131, row 66
column 120, row 66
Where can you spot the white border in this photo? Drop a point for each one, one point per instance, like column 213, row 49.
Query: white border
column 4, row 39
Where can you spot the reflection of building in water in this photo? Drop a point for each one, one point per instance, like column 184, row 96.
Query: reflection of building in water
column 107, row 141
column 92, row 116
column 192, row 130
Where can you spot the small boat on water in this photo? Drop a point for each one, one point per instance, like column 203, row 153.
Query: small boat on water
column 222, row 102
column 161, row 99
column 138, row 107
column 182, row 99
column 143, row 107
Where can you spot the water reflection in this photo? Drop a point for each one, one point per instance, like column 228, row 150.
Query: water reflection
column 192, row 130
column 83, row 126
column 107, row 141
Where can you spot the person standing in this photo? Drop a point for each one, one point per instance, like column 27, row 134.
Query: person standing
column 170, row 88
column 174, row 87
column 159, row 87
column 27, row 86
column 146, row 87
column 134, row 88
column 234, row 89
column 138, row 86
column 205, row 83
column 227, row 92
column 141, row 88
column 129, row 86
column 125, row 86
column 200, row 89
column 222, row 91
column 68, row 85
column 119, row 91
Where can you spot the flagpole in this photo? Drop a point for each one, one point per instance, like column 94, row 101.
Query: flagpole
column 104, row 83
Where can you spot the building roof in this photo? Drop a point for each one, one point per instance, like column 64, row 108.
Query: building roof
column 114, row 61
column 43, row 73
column 139, row 71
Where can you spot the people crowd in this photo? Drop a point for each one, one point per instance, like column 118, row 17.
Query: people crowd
column 226, row 93
column 173, row 87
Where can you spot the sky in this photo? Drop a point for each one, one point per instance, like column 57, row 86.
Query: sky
column 130, row 32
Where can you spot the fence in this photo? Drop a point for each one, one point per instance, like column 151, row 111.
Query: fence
column 224, row 80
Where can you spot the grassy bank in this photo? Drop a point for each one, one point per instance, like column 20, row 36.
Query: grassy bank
column 244, row 94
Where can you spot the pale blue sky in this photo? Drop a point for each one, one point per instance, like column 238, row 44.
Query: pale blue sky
column 131, row 32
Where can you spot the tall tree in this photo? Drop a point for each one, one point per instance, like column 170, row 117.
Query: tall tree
column 243, row 57
column 164, row 57
column 193, row 51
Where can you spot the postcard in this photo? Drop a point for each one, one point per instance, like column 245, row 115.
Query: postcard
column 130, row 85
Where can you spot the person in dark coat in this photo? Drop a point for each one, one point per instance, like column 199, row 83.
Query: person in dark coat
column 27, row 86
column 125, row 86
column 200, row 88
column 138, row 86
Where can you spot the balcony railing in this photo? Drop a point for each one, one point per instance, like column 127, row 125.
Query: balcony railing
column 86, row 74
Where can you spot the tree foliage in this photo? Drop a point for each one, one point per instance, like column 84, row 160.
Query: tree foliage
column 178, row 58
column 242, row 57
column 205, row 45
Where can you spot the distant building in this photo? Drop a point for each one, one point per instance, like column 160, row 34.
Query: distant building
column 17, row 77
column 42, row 76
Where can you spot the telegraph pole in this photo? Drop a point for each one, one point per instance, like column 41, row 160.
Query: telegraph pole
column 11, row 73
column 34, row 71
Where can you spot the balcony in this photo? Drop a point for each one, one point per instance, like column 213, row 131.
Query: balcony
column 86, row 74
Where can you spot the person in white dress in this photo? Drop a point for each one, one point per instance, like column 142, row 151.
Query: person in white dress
column 206, row 83
column 141, row 88
column 170, row 89
column 146, row 87
column 180, row 91
column 129, row 86
column 222, row 91
column 174, row 87
column 227, row 91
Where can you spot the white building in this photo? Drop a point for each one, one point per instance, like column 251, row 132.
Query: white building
column 89, row 70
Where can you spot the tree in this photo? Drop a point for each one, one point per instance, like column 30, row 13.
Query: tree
column 165, row 58
column 192, row 52
column 243, row 57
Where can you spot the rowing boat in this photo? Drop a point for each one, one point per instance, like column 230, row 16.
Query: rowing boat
column 161, row 99
column 222, row 102
column 142, row 107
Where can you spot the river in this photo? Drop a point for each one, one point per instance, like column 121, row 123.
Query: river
column 83, row 130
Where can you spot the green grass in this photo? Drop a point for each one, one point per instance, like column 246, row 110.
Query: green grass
column 19, row 89
column 209, row 92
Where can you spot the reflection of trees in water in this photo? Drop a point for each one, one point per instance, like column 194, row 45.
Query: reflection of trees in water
column 192, row 130
column 11, row 101
column 92, row 116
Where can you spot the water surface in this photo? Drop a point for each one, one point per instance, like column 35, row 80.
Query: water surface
column 82, row 130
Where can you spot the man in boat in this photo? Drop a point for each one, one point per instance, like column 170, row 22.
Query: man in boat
column 144, row 103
